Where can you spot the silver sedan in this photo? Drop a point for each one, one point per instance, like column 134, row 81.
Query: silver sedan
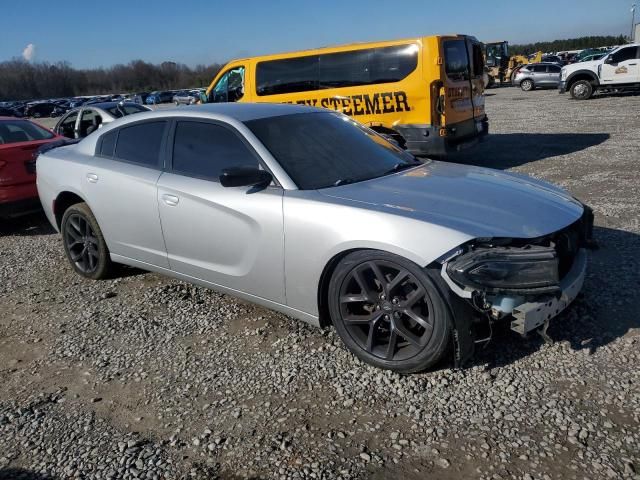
column 309, row 213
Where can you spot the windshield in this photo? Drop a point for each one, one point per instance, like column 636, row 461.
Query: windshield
column 320, row 150
column 127, row 109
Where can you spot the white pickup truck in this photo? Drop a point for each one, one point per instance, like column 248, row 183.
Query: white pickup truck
column 618, row 70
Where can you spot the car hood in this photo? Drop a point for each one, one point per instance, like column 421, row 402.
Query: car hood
column 479, row 202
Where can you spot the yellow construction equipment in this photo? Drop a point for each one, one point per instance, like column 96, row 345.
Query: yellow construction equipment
column 502, row 67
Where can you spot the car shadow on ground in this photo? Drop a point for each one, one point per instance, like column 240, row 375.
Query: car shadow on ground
column 604, row 312
column 20, row 474
column 35, row 223
column 508, row 150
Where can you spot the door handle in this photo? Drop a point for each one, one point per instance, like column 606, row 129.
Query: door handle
column 92, row 177
column 170, row 200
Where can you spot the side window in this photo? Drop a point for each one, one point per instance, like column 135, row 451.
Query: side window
column 624, row 54
column 287, row 76
column 344, row 69
column 141, row 143
column 392, row 64
column 90, row 121
column 68, row 125
column 540, row 68
column 108, row 144
column 230, row 87
column 205, row 149
column 554, row 69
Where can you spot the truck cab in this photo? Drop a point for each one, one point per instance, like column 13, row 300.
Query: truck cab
column 618, row 70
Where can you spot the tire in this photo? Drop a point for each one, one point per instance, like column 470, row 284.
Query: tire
column 370, row 292
column 84, row 243
column 527, row 85
column 581, row 90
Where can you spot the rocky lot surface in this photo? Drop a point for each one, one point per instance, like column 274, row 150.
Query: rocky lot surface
column 146, row 377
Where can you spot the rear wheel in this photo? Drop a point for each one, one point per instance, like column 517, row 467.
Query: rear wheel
column 527, row 85
column 84, row 244
column 389, row 311
column 581, row 90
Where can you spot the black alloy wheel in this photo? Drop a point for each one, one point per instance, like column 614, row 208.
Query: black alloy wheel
column 84, row 244
column 389, row 312
column 81, row 243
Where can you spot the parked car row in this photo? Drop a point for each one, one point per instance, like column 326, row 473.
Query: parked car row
column 59, row 106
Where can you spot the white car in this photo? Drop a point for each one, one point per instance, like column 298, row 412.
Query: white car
column 80, row 122
column 617, row 70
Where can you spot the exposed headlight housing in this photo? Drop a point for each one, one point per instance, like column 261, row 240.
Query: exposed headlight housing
column 533, row 269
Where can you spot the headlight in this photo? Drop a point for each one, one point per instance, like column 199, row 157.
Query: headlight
column 501, row 269
column 563, row 74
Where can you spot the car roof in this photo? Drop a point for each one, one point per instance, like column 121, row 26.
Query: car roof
column 105, row 105
column 251, row 111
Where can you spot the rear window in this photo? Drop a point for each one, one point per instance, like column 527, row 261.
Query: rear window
column 14, row 131
column 456, row 60
column 140, row 143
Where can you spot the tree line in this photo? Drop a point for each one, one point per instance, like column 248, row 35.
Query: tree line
column 22, row 80
column 567, row 44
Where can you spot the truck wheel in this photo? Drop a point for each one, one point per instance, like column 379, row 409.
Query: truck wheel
column 527, row 85
column 581, row 90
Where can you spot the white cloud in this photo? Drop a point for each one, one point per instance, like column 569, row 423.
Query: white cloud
column 29, row 52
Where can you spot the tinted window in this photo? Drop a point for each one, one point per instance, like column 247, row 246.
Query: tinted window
column 344, row 69
column 287, row 76
column 624, row 54
column 108, row 143
column 205, row 149
column 141, row 143
column 319, row 150
column 335, row 70
column 478, row 60
column 14, row 131
column 554, row 69
column 392, row 64
column 539, row 68
column 456, row 62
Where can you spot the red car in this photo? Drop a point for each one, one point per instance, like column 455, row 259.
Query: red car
column 19, row 140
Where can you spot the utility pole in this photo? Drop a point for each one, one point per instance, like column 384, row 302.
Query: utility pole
column 633, row 21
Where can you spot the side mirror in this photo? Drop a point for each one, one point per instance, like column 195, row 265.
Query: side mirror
column 245, row 177
column 609, row 59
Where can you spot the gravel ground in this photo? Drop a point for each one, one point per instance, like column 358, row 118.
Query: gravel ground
column 146, row 377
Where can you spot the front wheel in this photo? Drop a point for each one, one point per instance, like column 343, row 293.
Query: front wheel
column 389, row 311
column 84, row 243
column 526, row 85
column 581, row 90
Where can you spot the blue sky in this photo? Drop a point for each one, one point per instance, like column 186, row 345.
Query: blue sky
column 89, row 34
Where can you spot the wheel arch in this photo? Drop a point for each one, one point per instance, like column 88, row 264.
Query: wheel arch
column 62, row 202
column 582, row 75
column 324, row 318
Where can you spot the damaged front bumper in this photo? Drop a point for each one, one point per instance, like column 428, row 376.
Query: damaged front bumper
column 531, row 315
column 525, row 282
